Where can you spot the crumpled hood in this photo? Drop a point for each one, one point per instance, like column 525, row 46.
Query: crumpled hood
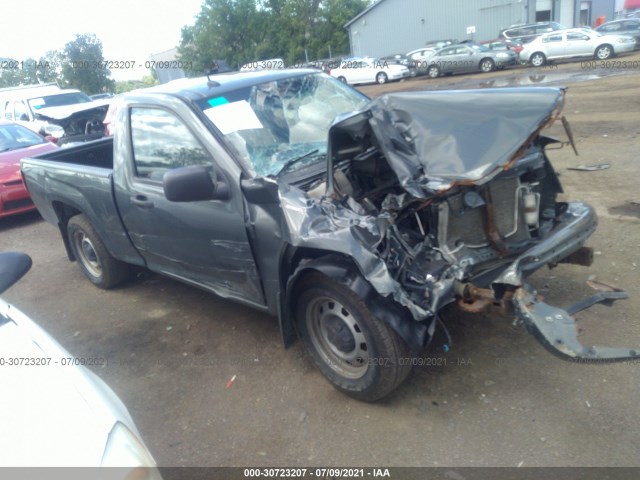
column 433, row 140
column 66, row 114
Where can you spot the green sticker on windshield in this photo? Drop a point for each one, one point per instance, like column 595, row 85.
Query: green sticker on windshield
column 216, row 102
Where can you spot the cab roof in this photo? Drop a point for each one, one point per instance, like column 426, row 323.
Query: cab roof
column 195, row 89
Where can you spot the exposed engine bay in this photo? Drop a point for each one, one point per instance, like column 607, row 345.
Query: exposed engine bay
column 462, row 211
column 80, row 123
column 474, row 227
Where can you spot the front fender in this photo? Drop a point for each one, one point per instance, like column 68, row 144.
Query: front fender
column 343, row 270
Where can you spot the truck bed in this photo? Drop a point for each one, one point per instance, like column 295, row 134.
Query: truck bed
column 98, row 153
column 78, row 180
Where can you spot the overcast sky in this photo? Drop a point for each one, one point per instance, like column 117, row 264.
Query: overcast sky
column 128, row 29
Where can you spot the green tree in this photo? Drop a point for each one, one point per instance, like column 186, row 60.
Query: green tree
column 128, row 85
column 49, row 67
column 240, row 31
column 83, row 65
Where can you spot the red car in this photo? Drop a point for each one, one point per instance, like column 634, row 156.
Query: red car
column 17, row 142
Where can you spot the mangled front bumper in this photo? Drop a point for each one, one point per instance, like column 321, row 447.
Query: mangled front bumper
column 555, row 327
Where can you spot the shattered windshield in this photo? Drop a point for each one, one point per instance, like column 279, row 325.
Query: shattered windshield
column 282, row 125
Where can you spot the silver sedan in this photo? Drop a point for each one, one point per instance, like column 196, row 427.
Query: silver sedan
column 466, row 58
column 574, row 43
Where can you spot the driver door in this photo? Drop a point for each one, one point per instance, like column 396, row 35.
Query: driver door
column 203, row 242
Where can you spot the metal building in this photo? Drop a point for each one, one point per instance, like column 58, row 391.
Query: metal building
column 396, row 26
column 165, row 65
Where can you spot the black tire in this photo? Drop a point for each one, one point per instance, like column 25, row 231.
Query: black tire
column 433, row 71
column 342, row 79
column 94, row 260
column 603, row 52
column 538, row 59
column 487, row 65
column 382, row 78
column 359, row 354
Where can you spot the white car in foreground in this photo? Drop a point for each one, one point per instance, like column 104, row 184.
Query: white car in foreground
column 54, row 412
column 573, row 43
column 369, row 70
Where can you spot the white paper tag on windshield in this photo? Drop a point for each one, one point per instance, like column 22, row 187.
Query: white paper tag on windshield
column 232, row 117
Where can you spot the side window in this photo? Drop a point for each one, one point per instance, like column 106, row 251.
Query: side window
column 20, row 111
column 553, row 38
column 8, row 111
column 573, row 36
column 162, row 142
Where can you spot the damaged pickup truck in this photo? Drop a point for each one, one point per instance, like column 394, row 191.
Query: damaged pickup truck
column 355, row 229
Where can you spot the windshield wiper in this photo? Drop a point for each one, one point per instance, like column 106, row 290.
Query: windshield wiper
column 295, row 160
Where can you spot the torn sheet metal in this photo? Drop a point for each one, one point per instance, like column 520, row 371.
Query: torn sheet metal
column 433, row 140
column 577, row 223
column 557, row 331
column 325, row 225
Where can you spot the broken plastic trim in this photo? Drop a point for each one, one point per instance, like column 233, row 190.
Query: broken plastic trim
column 557, row 330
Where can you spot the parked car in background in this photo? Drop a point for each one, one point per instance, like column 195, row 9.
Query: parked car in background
column 503, row 45
column 419, row 56
column 466, row 58
column 400, row 59
column 438, row 44
column 369, row 70
column 64, row 115
column 54, row 411
column 17, row 142
column 574, row 43
column 630, row 27
column 525, row 33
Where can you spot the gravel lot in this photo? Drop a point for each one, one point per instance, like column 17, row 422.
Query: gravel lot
column 497, row 398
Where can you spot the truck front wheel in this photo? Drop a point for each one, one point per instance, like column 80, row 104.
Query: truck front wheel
column 359, row 354
column 95, row 261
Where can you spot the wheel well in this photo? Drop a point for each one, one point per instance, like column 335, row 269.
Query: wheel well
column 297, row 262
column 537, row 53
column 604, row 45
column 64, row 212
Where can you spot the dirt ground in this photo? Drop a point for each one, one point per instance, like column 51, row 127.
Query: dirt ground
column 497, row 398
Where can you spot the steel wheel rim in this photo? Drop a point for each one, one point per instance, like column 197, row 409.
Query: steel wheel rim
column 337, row 337
column 87, row 253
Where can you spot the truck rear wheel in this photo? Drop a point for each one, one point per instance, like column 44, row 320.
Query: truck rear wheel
column 359, row 354
column 94, row 260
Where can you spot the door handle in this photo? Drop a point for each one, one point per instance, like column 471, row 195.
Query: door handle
column 141, row 201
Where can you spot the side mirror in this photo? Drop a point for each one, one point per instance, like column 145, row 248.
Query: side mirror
column 194, row 184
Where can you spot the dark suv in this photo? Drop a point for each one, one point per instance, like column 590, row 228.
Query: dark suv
column 524, row 33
